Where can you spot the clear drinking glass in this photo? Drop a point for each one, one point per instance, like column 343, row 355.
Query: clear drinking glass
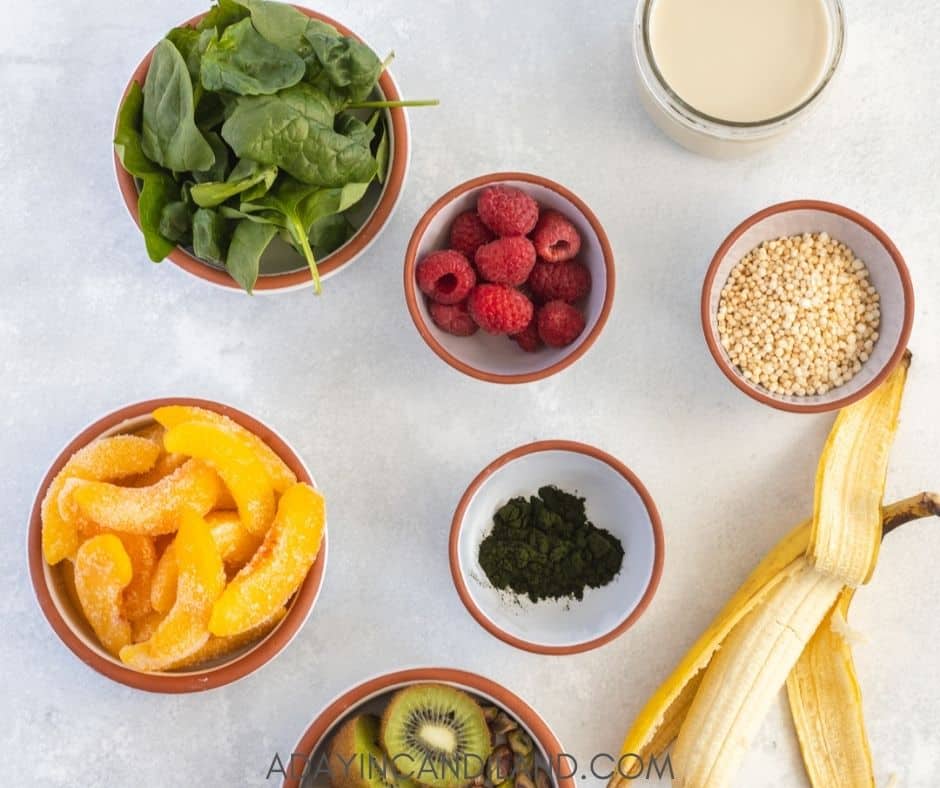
column 711, row 136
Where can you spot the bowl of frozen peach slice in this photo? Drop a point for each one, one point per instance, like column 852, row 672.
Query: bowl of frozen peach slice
column 177, row 545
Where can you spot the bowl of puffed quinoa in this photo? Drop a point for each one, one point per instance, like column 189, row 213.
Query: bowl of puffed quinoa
column 807, row 306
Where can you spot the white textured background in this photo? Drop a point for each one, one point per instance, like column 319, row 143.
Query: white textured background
column 394, row 435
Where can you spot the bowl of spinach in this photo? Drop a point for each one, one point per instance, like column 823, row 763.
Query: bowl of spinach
column 261, row 146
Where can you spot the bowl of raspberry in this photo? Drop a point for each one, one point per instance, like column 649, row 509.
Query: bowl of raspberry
column 509, row 277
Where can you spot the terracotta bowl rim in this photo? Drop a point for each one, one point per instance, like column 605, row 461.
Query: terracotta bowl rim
column 714, row 346
column 411, row 294
column 196, row 680
column 659, row 544
column 352, row 250
column 474, row 682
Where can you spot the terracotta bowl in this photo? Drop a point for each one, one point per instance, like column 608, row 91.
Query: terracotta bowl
column 51, row 583
column 281, row 268
column 870, row 244
column 370, row 696
column 615, row 499
column 495, row 358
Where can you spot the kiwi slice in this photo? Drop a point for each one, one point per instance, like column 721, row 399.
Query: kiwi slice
column 356, row 759
column 439, row 732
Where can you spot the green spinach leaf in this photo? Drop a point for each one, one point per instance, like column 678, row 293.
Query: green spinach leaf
column 284, row 25
column 294, row 131
column 382, row 154
column 342, row 67
column 192, row 44
column 259, row 216
column 285, row 199
column 127, row 142
column 329, row 233
column 244, row 62
column 249, row 241
column 246, row 174
column 159, row 190
column 223, row 14
column 170, row 136
column 220, row 167
column 210, row 230
column 350, row 126
column 176, row 222
column 326, row 202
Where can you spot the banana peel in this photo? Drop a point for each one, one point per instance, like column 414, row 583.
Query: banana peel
column 826, row 705
column 718, row 695
column 850, row 483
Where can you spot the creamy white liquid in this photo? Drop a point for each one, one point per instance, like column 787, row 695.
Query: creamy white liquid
column 741, row 60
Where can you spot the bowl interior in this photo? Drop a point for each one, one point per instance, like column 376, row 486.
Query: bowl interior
column 497, row 355
column 59, row 581
column 867, row 247
column 612, row 503
column 375, row 703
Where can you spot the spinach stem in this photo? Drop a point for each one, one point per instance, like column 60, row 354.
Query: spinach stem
column 300, row 235
column 393, row 104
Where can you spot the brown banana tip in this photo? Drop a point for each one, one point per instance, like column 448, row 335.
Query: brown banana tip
column 926, row 504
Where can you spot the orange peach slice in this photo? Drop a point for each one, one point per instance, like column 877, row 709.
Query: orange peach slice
column 235, row 545
column 279, row 566
column 163, row 583
column 143, row 628
column 107, row 458
column 237, row 464
column 157, row 509
column 201, row 580
column 102, row 572
column 163, row 467
column 280, row 475
column 220, row 647
column 143, row 555
column 166, row 463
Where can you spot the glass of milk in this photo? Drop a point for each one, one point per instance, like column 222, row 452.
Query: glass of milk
column 726, row 77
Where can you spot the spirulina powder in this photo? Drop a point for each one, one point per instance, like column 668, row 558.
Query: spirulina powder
column 546, row 548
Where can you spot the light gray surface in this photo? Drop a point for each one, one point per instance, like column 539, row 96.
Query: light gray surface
column 394, row 435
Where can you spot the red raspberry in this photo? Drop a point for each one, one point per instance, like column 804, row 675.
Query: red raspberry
column 507, row 211
column 468, row 233
column 560, row 324
column 555, row 238
column 567, row 281
column 499, row 309
column 446, row 276
column 506, row 261
column 453, row 318
column 528, row 339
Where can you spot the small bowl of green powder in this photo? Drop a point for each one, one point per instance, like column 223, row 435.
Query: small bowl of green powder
column 556, row 547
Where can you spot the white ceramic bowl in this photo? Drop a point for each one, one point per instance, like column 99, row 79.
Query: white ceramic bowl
column 496, row 358
column 870, row 244
column 615, row 499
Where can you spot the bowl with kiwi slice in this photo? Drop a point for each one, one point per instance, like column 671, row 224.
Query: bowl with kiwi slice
column 428, row 728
